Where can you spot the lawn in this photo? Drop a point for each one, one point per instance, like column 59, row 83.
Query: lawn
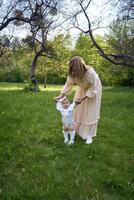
column 35, row 163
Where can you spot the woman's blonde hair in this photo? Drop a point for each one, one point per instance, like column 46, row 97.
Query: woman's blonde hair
column 77, row 68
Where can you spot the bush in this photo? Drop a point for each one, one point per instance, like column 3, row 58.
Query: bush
column 129, row 81
column 55, row 78
column 12, row 76
column 29, row 87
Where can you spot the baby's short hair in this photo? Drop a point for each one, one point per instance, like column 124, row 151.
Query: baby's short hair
column 63, row 98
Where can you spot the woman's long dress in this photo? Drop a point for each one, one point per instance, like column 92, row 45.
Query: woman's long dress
column 87, row 113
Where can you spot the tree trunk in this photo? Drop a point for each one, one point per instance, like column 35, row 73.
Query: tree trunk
column 45, row 81
column 32, row 71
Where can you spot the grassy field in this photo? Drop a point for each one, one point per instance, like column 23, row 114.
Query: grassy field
column 35, row 164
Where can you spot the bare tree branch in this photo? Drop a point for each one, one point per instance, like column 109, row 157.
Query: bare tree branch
column 100, row 50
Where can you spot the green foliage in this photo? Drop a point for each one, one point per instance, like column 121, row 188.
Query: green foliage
column 54, row 69
column 129, row 79
column 29, row 87
column 5, row 57
column 12, row 75
column 85, row 49
column 55, row 78
column 109, row 74
column 29, row 41
column 121, row 37
column 36, row 164
column 5, row 41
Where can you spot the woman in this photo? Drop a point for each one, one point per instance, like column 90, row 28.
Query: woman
column 88, row 94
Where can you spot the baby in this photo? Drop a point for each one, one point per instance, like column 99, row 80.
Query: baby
column 66, row 109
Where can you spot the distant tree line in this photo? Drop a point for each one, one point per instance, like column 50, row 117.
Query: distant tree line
column 16, row 57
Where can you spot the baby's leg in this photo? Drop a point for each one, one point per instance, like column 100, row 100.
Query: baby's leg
column 76, row 127
column 72, row 134
column 65, row 133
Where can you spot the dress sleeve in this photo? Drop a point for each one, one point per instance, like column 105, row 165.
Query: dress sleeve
column 59, row 106
column 92, row 91
column 68, row 86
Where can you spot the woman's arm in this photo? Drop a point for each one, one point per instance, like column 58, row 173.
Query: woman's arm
column 92, row 91
column 66, row 88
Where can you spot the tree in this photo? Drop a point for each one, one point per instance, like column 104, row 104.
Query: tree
column 121, row 38
column 123, row 59
column 55, row 68
column 125, row 9
column 39, row 15
column 85, row 49
column 5, row 52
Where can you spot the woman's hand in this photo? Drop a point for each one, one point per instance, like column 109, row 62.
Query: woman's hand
column 83, row 98
column 58, row 97
column 78, row 101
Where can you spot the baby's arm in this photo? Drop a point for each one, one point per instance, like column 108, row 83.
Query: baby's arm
column 59, row 106
column 74, row 105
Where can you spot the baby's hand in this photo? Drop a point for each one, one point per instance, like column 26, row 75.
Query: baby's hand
column 55, row 100
column 59, row 97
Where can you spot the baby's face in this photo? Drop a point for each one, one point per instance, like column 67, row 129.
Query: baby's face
column 65, row 103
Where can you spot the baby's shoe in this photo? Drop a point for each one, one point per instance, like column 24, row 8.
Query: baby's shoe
column 89, row 140
column 72, row 138
column 66, row 139
column 70, row 142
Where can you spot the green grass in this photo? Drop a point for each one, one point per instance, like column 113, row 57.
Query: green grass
column 35, row 163
column 19, row 86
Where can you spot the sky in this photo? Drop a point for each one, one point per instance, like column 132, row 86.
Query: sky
column 98, row 10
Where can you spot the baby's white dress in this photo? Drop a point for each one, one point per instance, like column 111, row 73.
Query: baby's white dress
column 67, row 114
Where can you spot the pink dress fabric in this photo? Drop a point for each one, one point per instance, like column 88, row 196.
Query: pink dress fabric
column 87, row 113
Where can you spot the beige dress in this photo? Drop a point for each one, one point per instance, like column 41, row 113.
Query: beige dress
column 87, row 113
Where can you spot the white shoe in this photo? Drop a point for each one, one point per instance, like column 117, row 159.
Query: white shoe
column 66, row 141
column 72, row 137
column 70, row 142
column 89, row 140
